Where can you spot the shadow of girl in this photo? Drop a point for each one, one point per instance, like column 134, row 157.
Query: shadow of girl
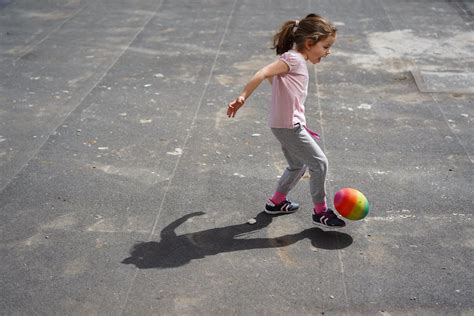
column 177, row 250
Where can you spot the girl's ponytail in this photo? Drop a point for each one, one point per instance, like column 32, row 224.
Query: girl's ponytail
column 283, row 40
column 313, row 27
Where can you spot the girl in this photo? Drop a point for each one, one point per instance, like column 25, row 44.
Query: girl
column 295, row 43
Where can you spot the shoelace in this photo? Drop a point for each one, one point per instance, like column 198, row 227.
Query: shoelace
column 329, row 214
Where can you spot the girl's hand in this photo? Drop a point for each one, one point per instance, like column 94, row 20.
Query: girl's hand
column 234, row 106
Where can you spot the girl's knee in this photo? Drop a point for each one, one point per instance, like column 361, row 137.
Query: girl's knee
column 319, row 165
column 296, row 168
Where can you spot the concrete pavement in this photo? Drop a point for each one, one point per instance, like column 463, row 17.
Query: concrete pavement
column 125, row 189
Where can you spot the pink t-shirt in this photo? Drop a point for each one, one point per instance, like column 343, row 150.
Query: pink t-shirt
column 289, row 93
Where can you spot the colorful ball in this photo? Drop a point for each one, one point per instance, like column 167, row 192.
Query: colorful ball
column 351, row 204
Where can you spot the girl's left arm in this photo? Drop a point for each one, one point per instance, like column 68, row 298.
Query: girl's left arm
column 278, row 67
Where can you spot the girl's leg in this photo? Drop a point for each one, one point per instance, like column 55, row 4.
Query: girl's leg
column 299, row 145
column 292, row 173
column 303, row 150
column 318, row 166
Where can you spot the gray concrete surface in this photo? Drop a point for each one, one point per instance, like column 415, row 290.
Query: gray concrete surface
column 126, row 190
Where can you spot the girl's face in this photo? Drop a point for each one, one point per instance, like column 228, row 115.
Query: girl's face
column 314, row 52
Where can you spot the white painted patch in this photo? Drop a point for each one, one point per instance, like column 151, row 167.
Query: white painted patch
column 403, row 43
column 339, row 23
column 33, row 241
column 103, row 148
column 398, row 217
column 239, row 175
column 465, row 115
column 2, row 139
column 146, row 121
column 176, row 152
column 256, row 135
column 142, row 175
column 395, row 51
column 365, row 106
column 52, row 15
column 147, row 85
column 123, row 114
column 388, row 218
column 158, row 75
column 61, row 222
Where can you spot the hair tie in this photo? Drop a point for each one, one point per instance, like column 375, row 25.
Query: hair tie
column 297, row 22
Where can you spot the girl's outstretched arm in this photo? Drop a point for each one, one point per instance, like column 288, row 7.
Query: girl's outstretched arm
column 169, row 230
column 278, row 67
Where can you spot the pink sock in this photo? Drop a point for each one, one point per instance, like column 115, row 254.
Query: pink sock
column 278, row 197
column 320, row 207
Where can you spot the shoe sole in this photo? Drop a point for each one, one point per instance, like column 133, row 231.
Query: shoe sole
column 326, row 226
column 278, row 212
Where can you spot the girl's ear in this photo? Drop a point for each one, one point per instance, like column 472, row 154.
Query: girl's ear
column 308, row 43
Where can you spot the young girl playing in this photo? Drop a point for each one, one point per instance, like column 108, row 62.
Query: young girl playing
column 295, row 43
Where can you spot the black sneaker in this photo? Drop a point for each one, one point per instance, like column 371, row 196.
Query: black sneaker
column 328, row 219
column 285, row 207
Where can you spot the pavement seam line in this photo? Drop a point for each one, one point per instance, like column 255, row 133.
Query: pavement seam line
column 86, row 94
column 450, row 128
column 380, row 2
column 30, row 48
column 193, row 122
column 433, row 97
column 79, row 103
column 186, row 139
column 321, row 121
column 339, row 254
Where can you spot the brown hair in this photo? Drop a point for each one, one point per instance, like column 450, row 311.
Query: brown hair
column 312, row 27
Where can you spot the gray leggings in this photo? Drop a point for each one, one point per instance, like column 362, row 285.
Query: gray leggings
column 301, row 151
